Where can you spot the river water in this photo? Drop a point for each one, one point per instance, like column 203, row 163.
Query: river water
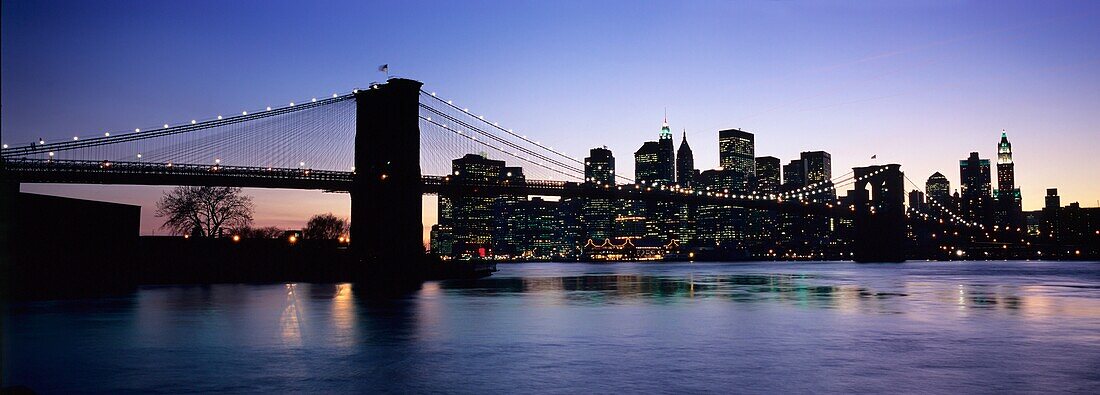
column 918, row 327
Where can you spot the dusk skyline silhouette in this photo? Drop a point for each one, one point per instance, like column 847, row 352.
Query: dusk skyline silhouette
column 912, row 83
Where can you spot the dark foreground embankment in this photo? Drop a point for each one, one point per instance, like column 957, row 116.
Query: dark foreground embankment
column 61, row 271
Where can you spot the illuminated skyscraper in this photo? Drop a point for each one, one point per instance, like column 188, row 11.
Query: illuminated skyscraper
column 655, row 166
column 762, row 224
column 655, row 161
column 598, row 215
column 1009, row 210
column 767, row 175
column 720, row 225
column 599, row 167
column 1006, row 178
column 818, row 166
column 474, row 220
column 736, row 152
column 938, row 188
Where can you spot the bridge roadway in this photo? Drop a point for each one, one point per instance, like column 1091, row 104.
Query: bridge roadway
column 145, row 173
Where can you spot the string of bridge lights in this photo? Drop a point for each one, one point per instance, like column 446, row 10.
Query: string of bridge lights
column 42, row 143
column 951, row 215
column 511, row 132
column 801, row 192
column 818, row 187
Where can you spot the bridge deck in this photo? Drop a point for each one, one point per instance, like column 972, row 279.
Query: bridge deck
column 143, row 173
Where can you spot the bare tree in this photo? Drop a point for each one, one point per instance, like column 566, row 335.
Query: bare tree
column 266, row 232
column 325, row 227
column 204, row 210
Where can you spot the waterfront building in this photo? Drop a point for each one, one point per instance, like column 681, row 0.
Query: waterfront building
column 597, row 216
column 718, row 225
column 537, row 229
column 441, row 240
column 473, row 219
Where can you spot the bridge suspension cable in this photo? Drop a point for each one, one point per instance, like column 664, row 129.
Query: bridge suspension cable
column 548, row 153
column 316, row 133
column 955, row 218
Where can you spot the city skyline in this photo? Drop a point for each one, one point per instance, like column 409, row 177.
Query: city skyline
column 799, row 107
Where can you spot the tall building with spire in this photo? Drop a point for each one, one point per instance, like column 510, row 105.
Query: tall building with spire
column 685, row 164
column 655, row 161
column 1006, row 178
column 655, row 166
column 1009, row 210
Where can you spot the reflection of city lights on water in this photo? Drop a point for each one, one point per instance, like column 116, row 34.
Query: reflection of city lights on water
column 343, row 315
column 290, row 321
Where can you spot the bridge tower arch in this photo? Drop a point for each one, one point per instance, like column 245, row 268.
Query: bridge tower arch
column 879, row 198
column 386, row 219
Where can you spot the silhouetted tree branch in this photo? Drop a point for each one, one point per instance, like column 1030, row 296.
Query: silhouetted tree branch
column 205, row 209
column 325, row 227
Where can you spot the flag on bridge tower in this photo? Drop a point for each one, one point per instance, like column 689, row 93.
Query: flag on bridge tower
column 874, row 156
column 385, row 69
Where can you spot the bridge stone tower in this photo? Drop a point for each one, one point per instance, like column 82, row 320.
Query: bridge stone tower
column 386, row 219
column 880, row 214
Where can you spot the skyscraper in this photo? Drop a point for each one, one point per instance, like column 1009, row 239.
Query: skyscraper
column 655, row 161
column 976, row 188
column 655, row 165
column 818, row 170
column 472, row 219
column 938, row 188
column 598, row 215
column 537, row 228
column 504, row 207
column 763, row 224
column 916, row 201
column 685, row 164
column 1052, row 218
column 818, row 165
column 794, row 175
column 599, row 167
column 1006, row 177
column 1009, row 210
column 767, row 175
column 685, row 214
column 719, row 225
column 736, row 152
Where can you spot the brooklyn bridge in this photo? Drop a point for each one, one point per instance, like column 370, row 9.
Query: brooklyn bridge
column 389, row 144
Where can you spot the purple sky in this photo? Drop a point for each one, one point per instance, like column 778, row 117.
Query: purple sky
column 917, row 83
